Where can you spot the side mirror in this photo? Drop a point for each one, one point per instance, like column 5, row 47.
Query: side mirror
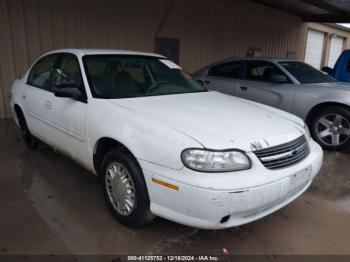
column 327, row 70
column 278, row 78
column 70, row 91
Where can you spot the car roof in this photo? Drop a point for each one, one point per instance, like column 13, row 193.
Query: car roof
column 82, row 52
column 268, row 59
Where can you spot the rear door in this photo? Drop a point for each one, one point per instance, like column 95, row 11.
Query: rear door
column 69, row 115
column 259, row 85
column 37, row 97
column 223, row 77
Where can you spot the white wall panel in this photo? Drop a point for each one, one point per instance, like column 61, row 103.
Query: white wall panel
column 335, row 49
column 314, row 48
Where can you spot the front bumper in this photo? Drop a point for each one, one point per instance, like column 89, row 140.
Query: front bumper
column 212, row 201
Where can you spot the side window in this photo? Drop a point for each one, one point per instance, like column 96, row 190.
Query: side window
column 68, row 73
column 40, row 74
column 261, row 71
column 227, row 70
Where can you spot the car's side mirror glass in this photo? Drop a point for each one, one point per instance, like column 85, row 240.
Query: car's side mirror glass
column 278, row 78
column 327, row 70
column 66, row 90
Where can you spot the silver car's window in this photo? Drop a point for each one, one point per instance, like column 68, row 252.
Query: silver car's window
column 226, row 70
column 261, row 71
column 306, row 74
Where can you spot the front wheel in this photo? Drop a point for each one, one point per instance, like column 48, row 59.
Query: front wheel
column 125, row 190
column 330, row 127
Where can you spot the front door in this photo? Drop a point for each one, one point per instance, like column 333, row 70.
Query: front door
column 263, row 83
column 69, row 115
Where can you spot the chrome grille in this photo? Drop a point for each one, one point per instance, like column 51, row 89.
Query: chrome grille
column 284, row 155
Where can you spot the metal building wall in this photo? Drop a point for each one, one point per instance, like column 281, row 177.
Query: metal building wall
column 208, row 30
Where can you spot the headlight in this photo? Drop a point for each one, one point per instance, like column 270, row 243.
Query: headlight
column 307, row 130
column 215, row 161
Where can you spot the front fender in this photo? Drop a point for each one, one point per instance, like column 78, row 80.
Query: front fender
column 146, row 139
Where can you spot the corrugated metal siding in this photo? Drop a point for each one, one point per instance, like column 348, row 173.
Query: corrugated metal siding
column 208, row 30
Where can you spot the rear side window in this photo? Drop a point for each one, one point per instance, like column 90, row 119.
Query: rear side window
column 40, row 74
column 226, row 70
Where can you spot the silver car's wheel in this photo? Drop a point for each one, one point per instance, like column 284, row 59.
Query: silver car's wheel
column 332, row 129
column 120, row 188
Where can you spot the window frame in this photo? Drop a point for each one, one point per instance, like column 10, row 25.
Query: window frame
column 47, row 86
column 82, row 88
column 240, row 73
column 245, row 65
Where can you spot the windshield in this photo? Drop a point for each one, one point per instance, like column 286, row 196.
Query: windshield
column 306, row 74
column 125, row 76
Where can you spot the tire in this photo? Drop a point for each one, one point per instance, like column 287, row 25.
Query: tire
column 330, row 127
column 118, row 164
column 30, row 141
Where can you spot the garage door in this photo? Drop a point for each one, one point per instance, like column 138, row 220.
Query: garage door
column 335, row 49
column 314, row 48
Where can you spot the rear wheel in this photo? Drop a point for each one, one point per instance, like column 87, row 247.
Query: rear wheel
column 30, row 141
column 331, row 128
column 124, row 189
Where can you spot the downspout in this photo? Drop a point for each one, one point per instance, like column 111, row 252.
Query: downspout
column 163, row 21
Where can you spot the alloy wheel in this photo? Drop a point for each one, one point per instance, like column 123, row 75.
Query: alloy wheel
column 332, row 129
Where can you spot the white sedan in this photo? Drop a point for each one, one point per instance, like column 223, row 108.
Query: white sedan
column 161, row 143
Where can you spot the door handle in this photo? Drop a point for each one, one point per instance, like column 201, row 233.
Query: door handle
column 24, row 96
column 243, row 88
column 207, row 81
column 48, row 104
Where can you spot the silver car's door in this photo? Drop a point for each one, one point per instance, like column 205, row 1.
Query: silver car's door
column 223, row 77
column 37, row 97
column 265, row 83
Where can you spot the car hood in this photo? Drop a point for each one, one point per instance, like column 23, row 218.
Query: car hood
column 217, row 121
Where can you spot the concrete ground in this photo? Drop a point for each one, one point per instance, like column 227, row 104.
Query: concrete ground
column 50, row 205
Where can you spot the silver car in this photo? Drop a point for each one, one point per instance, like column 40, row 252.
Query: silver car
column 292, row 86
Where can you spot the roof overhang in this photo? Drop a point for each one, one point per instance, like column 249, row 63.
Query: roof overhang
column 323, row 11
